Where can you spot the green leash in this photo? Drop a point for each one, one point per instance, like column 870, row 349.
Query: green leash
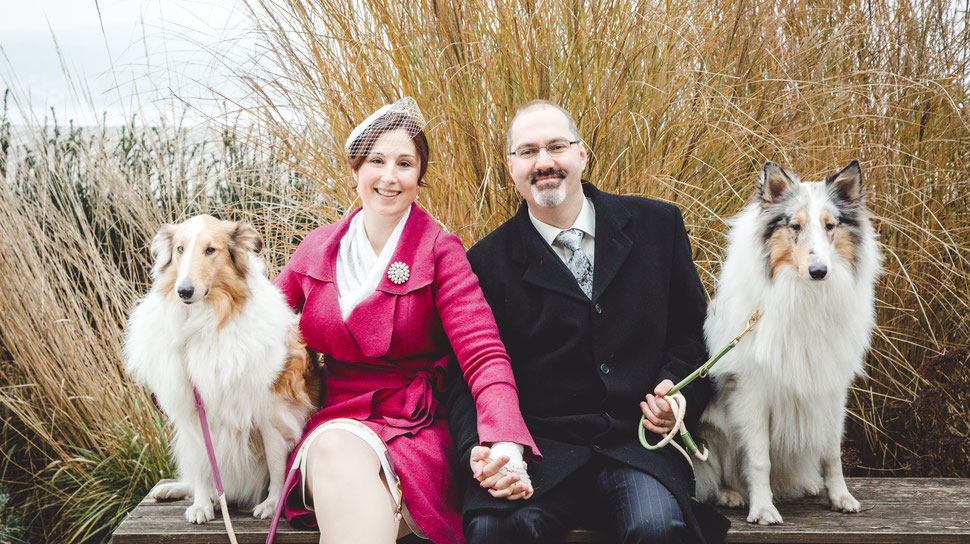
column 701, row 372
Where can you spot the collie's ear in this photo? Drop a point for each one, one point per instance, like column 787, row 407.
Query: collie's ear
column 246, row 238
column 243, row 239
column 162, row 248
column 773, row 183
column 847, row 183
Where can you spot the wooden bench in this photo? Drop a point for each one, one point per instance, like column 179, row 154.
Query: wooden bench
column 893, row 510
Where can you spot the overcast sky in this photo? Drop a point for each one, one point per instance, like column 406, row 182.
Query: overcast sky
column 132, row 58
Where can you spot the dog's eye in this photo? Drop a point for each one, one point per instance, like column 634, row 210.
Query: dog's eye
column 179, row 250
column 210, row 250
column 796, row 227
column 829, row 226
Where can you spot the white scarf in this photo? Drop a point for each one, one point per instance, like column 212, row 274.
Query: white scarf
column 359, row 269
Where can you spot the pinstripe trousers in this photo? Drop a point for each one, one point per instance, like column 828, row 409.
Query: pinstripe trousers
column 631, row 505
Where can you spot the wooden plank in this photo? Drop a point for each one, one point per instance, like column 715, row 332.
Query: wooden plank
column 164, row 522
column 895, row 510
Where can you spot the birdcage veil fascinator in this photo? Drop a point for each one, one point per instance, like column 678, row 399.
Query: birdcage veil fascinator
column 403, row 114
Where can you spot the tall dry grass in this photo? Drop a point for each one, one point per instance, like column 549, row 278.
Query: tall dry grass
column 678, row 101
column 684, row 101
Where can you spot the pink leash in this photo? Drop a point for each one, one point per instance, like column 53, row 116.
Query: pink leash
column 290, row 477
column 210, row 451
column 200, row 408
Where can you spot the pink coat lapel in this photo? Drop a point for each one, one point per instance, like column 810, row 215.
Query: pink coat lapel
column 371, row 324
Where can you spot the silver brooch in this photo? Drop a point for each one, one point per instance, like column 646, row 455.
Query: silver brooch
column 398, row 273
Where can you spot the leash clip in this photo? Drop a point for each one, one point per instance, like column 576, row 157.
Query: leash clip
column 755, row 316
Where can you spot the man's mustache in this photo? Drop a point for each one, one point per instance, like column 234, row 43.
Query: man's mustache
column 558, row 172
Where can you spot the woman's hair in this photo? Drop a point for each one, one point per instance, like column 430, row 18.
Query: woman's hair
column 361, row 147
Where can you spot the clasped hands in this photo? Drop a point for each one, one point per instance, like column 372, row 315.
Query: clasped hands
column 658, row 418
column 500, row 480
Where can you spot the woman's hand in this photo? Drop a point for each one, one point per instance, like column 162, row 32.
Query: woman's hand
column 659, row 416
column 500, row 480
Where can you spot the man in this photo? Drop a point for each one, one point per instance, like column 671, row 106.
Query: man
column 601, row 310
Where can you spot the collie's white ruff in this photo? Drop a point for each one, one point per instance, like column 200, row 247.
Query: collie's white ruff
column 775, row 425
column 172, row 346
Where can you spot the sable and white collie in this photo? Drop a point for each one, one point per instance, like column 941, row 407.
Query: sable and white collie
column 214, row 322
column 806, row 254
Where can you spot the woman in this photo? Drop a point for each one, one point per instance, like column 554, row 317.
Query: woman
column 386, row 295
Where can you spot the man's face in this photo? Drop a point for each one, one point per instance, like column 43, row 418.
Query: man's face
column 546, row 179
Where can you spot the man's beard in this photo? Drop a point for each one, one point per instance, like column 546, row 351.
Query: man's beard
column 552, row 197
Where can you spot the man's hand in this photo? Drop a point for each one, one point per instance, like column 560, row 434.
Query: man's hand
column 659, row 417
column 489, row 475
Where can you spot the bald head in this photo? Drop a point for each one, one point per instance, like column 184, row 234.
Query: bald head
column 536, row 104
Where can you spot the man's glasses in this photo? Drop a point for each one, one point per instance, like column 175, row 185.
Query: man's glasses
column 528, row 152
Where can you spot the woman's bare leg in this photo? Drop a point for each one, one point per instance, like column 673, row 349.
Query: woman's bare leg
column 350, row 497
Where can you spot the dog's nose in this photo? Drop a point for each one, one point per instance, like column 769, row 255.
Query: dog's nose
column 816, row 271
column 186, row 292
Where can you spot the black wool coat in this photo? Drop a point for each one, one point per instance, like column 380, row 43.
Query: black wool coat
column 583, row 365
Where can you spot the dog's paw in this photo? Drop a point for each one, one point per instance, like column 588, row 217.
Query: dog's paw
column 170, row 491
column 200, row 513
column 729, row 498
column 764, row 515
column 265, row 509
column 844, row 502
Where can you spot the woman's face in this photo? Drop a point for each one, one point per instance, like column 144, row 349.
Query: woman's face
column 387, row 181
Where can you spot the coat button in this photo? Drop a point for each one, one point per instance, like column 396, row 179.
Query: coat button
column 605, row 368
column 598, row 308
column 611, row 413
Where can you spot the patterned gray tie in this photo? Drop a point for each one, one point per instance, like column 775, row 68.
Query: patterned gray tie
column 579, row 263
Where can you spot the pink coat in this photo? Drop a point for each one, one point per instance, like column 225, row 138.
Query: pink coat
column 386, row 364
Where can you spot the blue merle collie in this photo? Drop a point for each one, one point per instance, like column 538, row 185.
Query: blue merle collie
column 806, row 255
